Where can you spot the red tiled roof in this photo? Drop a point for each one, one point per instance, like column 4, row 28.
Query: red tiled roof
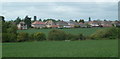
column 81, row 23
column 54, row 25
column 38, row 22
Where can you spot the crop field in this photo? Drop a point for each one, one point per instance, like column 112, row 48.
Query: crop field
column 85, row 48
column 85, row 31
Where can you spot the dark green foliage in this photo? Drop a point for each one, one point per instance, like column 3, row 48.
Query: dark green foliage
column 111, row 33
column 81, row 36
column 49, row 19
column 76, row 26
column 27, row 21
column 81, row 20
column 89, row 18
column 40, row 20
column 8, row 37
column 12, row 29
column 56, row 35
column 22, row 36
column 18, row 20
column 76, row 21
column 39, row 36
column 31, row 37
column 9, row 32
column 118, row 32
column 71, row 37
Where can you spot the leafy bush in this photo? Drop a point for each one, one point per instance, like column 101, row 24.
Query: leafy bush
column 56, row 35
column 81, row 36
column 22, row 36
column 110, row 33
column 76, row 26
column 9, row 37
column 71, row 37
column 39, row 36
column 118, row 32
column 31, row 37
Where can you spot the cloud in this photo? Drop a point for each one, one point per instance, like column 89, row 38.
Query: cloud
column 59, row 0
column 61, row 10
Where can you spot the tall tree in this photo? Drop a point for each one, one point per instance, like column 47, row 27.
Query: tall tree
column 18, row 19
column 27, row 21
column 89, row 18
column 2, row 18
column 35, row 18
column 76, row 21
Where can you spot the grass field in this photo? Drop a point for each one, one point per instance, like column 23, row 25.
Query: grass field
column 87, row 48
column 85, row 31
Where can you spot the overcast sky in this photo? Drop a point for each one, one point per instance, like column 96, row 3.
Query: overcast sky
column 61, row 10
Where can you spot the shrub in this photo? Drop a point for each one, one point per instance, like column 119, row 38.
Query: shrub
column 56, row 35
column 81, row 36
column 22, row 36
column 9, row 37
column 71, row 37
column 110, row 33
column 31, row 37
column 39, row 36
column 118, row 32
column 76, row 26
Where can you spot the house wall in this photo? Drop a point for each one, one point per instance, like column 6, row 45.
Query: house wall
column 38, row 25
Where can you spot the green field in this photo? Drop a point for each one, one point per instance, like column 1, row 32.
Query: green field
column 85, row 31
column 85, row 48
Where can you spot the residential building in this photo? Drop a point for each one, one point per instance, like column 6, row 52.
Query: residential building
column 62, row 24
column 38, row 24
column 22, row 26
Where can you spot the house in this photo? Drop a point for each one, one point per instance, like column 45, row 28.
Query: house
column 61, row 24
column 22, row 26
column 106, row 23
column 116, row 23
column 73, row 24
column 38, row 24
column 83, row 25
column 95, row 23
column 51, row 24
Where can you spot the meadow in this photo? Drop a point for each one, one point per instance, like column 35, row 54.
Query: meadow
column 85, row 48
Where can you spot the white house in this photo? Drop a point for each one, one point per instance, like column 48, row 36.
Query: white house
column 22, row 25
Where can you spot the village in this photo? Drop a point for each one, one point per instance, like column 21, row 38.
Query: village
column 68, row 24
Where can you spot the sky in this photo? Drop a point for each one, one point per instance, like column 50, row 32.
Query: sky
column 62, row 10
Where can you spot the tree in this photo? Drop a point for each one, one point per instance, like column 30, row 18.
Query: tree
column 44, row 20
column 76, row 21
column 71, row 20
column 12, row 29
column 39, row 36
column 27, row 21
column 35, row 18
column 2, row 18
column 18, row 20
column 9, row 31
column 81, row 20
column 89, row 18
column 40, row 20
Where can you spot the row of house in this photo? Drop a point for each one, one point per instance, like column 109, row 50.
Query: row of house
column 69, row 24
